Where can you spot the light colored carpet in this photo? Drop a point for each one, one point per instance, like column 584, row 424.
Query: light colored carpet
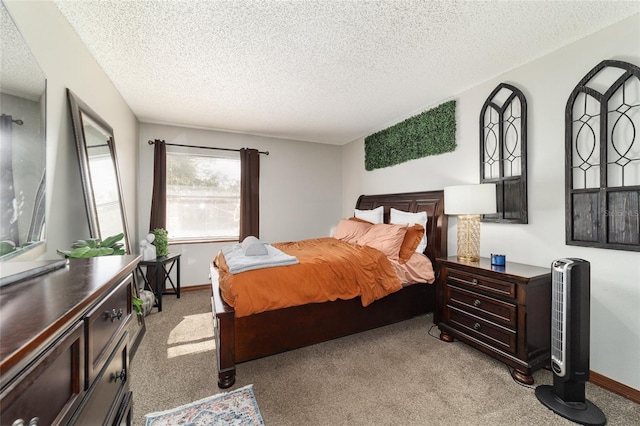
column 398, row 374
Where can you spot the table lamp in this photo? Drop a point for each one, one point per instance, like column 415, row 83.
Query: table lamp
column 468, row 202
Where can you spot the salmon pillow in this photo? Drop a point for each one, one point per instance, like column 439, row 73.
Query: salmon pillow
column 386, row 238
column 411, row 241
column 357, row 219
column 351, row 230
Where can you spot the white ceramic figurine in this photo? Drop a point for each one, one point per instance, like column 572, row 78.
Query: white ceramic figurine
column 147, row 249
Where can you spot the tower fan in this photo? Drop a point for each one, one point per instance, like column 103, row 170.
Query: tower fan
column 570, row 344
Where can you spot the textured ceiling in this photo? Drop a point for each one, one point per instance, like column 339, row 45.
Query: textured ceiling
column 20, row 74
column 320, row 71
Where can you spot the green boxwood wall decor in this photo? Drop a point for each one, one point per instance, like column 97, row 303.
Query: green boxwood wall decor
column 431, row 132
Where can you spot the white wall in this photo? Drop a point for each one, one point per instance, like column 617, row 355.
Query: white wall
column 546, row 83
column 67, row 63
column 300, row 189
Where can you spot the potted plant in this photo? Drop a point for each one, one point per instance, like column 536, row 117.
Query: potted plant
column 161, row 241
column 94, row 247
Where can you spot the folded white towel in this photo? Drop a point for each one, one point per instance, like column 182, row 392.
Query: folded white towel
column 238, row 262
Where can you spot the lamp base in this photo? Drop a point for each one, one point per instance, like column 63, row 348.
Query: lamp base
column 468, row 259
column 469, row 238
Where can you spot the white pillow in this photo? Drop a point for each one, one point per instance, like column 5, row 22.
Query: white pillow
column 374, row 216
column 399, row 217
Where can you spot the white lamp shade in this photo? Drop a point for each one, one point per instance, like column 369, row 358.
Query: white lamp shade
column 470, row 199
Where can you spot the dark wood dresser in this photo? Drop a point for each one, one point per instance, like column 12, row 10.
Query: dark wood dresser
column 504, row 311
column 64, row 345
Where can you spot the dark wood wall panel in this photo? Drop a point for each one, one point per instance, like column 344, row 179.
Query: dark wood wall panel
column 586, row 211
column 623, row 217
column 512, row 203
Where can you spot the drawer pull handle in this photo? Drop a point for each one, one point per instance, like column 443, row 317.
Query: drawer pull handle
column 474, row 281
column 476, row 303
column 122, row 375
column 116, row 315
column 476, row 326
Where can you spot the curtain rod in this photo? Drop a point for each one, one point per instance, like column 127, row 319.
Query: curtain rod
column 205, row 147
column 17, row 120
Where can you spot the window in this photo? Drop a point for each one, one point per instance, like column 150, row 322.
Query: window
column 203, row 197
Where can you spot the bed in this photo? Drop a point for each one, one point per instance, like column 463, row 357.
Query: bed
column 243, row 338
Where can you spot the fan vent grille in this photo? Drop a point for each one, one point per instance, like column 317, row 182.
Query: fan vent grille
column 559, row 290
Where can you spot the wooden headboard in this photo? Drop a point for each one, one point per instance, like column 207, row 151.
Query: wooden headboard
column 430, row 201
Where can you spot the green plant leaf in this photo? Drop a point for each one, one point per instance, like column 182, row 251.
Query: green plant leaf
column 103, row 251
column 137, row 304
column 79, row 252
column 7, row 247
column 79, row 243
column 64, row 253
column 95, row 247
column 110, row 241
column 93, row 242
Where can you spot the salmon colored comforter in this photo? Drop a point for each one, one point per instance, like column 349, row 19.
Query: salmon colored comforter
column 329, row 269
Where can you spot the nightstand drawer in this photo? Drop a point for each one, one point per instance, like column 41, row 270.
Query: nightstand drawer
column 481, row 283
column 492, row 334
column 483, row 306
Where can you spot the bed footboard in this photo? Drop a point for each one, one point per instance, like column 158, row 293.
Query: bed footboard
column 223, row 334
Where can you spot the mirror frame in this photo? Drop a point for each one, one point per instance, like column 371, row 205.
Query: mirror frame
column 78, row 108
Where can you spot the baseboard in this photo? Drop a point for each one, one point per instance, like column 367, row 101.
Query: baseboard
column 615, row 387
column 196, row 287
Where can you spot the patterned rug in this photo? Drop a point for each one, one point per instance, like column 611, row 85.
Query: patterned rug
column 238, row 407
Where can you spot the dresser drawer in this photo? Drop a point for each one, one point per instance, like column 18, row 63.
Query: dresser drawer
column 481, row 283
column 485, row 307
column 104, row 326
column 124, row 415
column 493, row 334
column 106, row 394
column 56, row 377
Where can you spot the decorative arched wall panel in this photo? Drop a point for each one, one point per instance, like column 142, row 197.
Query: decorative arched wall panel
column 503, row 152
column 602, row 158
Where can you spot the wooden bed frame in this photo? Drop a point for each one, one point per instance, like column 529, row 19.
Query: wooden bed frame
column 267, row 333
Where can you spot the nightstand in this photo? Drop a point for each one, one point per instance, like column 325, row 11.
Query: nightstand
column 504, row 311
column 161, row 275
